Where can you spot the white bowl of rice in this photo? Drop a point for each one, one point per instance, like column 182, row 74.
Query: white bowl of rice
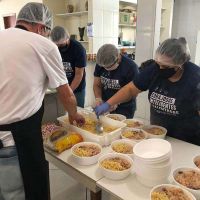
column 115, row 166
column 86, row 153
column 154, row 131
column 123, row 146
column 133, row 134
column 169, row 191
column 117, row 117
column 134, row 123
column 196, row 161
column 189, row 179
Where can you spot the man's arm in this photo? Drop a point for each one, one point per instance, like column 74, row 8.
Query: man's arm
column 68, row 100
column 77, row 78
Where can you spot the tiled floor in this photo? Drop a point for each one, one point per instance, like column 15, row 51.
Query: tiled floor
column 63, row 187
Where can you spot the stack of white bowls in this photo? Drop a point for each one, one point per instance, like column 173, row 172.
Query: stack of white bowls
column 152, row 161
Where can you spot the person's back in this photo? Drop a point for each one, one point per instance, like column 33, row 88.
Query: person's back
column 23, row 73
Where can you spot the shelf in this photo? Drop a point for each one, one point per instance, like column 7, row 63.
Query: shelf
column 126, row 47
column 162, row 27
column 163, row 9
column 128, row 25
column 83, row 41
column 77, row 14
column 127, row 12
column 128, row 3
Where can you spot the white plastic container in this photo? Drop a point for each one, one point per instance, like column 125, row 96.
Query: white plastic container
column 134, row 140
column 103, row 139
column 158, row 188
column 115, row 175
column 152, row 161
column 134, row 123
column 124, row 141
column 153, row 149
column 196, row 193
column 150, row 135
column 117, row 117
column 195, row 159
column 86, row 160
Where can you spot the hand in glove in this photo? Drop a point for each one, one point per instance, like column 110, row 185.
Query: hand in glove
column 101, row 109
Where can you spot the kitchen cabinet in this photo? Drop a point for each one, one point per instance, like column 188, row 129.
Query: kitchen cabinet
column 127, row 26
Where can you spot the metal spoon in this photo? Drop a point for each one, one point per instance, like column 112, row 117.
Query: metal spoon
column 99, row 127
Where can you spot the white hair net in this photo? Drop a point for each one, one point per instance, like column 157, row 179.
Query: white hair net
column 59, row 35
column 107, row 55
column 173, row 52
column 36, row 13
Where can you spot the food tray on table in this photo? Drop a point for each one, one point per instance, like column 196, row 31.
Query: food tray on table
column 60, row 139
column 112, row 128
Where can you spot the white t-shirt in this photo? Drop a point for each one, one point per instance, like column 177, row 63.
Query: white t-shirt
column 29, row 63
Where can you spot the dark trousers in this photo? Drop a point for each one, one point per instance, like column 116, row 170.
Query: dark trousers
column 34, row 167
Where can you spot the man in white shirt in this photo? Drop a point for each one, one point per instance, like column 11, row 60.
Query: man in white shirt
column 29, row 63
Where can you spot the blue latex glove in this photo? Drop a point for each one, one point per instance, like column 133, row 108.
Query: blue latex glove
column 101, row 109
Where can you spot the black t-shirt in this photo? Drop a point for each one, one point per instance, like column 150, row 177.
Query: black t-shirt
column 174, row 105
column 73, row 56
column 114, row 80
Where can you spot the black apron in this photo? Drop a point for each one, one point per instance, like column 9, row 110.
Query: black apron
column 34, row 167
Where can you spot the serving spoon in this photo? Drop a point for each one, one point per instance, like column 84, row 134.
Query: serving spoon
column 99, row 127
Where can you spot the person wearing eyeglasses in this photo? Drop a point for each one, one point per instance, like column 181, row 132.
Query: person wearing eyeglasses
column 112, row 72
column 174, row 91
column 29, row 64
column 74, row 61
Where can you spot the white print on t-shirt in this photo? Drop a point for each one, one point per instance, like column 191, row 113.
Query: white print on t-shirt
column 68, row 69
column 110, row 83
column 163, row 104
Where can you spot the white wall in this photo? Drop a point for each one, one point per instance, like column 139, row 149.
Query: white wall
column 186, row 22
column 11, row 6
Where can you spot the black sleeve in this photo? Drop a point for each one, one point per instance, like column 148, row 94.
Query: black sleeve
column 147, row 73
column 132, row 72
column 197, row 97
column 80, row 57
column 97, row 71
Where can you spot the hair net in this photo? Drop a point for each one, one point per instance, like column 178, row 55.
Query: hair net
column 173, row 52
column 59, row 35
column 36, row 13
column 107, row 55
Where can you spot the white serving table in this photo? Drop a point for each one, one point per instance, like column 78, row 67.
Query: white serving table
column 131, row 189
column 87, row 175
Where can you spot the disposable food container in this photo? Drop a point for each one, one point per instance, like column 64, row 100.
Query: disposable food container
column 134, row 123
column 123, row 146
column 105, row 138
column 157, row 192
column 187, row 179
column 117, row 117
column 114, row 174
column 154, row 131
column 82, row 158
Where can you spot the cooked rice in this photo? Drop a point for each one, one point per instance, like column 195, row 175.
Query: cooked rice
column 189, row 178
column 133, row 134
column 123, row 147
column 87, row 150
column 115, row 164
column 170, row 193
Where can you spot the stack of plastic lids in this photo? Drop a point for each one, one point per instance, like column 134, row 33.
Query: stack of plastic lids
column 152, row 161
